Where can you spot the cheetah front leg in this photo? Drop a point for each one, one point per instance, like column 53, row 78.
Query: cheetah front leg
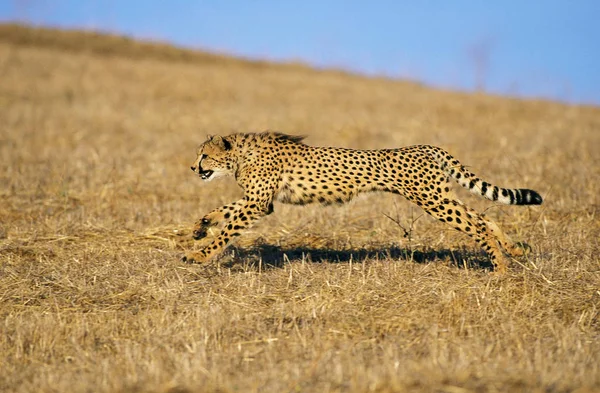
column 247, row 213
column 215, row 218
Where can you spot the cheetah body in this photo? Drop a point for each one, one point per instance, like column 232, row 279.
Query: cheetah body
column 272, row 167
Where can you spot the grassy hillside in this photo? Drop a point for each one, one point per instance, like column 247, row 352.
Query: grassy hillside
column 97, row 200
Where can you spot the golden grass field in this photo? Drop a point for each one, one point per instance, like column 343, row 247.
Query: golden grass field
column 97, row 201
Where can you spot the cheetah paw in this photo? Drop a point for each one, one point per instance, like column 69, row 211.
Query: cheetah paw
column 193, row 257
column 200, row 230
column 519, row 249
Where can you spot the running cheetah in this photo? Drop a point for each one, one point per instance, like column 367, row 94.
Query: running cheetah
column 271, row 166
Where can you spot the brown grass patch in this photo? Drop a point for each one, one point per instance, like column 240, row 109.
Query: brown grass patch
column 96, row 203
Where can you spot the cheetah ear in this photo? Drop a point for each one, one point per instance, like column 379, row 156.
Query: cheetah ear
column 221, row 142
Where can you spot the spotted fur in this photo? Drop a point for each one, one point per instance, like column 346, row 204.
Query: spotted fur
column 273, row 167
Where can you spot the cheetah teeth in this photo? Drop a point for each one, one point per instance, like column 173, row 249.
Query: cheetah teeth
column 206, row 174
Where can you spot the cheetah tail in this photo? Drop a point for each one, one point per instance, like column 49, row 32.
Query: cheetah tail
column 507, row 196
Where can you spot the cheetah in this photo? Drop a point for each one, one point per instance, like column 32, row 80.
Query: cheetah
column 272, row 166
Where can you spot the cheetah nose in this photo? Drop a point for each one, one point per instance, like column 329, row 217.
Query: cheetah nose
column 193, row 168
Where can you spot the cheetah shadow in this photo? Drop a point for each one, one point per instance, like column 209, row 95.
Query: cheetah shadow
column 271, row 256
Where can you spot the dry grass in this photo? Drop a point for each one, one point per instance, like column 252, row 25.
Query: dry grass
column 97, row 201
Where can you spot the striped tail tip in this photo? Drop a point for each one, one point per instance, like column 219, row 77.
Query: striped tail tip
column 528, row 197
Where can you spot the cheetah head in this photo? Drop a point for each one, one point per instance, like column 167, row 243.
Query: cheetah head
column 214, row 159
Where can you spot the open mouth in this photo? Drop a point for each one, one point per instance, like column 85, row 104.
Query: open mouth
column 206, row 174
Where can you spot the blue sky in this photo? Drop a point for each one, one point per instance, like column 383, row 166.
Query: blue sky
column 548, row 49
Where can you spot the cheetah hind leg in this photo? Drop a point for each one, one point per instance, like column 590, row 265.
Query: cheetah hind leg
column 485, row 233
column 514, row 249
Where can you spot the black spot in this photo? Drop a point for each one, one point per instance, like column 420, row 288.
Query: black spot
column 483, row 188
